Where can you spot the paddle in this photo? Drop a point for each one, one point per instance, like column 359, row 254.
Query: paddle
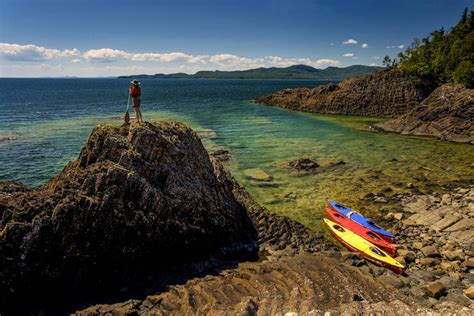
column 127, row 116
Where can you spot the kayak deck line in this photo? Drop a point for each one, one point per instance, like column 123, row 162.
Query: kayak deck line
column 361, row 231
column 361, row 220
column 369, row 251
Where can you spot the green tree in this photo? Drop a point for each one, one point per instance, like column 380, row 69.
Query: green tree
column 387, row 61
column 442, row 56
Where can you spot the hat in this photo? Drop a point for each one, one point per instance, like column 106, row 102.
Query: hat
column 135, row 82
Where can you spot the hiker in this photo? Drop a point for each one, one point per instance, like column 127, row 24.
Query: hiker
column 135, row 93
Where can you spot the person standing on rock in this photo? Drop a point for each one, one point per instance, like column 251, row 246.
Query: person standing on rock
column 135, row 93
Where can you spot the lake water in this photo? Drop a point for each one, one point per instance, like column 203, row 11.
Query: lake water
column 45, row 122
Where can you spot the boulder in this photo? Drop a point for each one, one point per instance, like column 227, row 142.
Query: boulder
column 435, row 289
column 430, row 251
column 454, row 254
column 409, row 256
column 429, row 262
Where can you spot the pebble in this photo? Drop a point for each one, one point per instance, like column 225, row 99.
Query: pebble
column 454, row 255
column 469, row 292
column 429, row 262
column 430, row 251
column 435, row 289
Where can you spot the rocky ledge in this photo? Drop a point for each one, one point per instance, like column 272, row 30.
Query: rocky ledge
column 387, row 93
column 448, row 114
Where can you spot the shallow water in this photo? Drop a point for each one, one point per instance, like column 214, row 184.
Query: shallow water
column 44, row 123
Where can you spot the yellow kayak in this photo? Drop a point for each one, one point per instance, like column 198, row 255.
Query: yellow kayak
column 358, row 244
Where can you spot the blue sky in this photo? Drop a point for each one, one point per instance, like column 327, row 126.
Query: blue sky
column 113, row 37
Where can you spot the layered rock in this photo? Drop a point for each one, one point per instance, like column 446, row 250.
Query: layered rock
column 304, row 284
column 137, row 199
column 448, row 114
column 387, row 93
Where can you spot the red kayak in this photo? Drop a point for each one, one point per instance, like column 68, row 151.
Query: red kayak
column 363, row 232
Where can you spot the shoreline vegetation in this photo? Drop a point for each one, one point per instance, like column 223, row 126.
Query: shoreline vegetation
column 427, row 91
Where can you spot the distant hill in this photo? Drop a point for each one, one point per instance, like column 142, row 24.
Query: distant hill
column 292, row 72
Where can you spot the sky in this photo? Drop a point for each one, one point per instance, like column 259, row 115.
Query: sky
column 89, row 38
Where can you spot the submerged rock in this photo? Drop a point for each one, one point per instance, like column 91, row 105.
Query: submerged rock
column 305, row 164
column 257, row 174
column 136, row 200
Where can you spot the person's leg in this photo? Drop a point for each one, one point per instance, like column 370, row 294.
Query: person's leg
column 140, row 114
column 137, row 115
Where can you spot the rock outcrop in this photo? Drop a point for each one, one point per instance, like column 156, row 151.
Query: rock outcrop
column 387, row 93
column 136, row 200
column 448, row 114
column 304, row 284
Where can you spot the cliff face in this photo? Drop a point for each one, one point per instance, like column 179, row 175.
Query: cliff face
column 136, row 199
column 448, row 114
column 387, row 93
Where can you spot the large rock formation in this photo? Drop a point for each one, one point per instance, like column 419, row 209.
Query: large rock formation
column 387, row 93
column 448, row 114
column 137, row 199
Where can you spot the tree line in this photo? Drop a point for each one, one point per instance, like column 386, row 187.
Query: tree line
column 443, row 56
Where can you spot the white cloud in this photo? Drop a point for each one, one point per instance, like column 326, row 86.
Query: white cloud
column 348, row 55
column 98, row 61
column 323, row 63
column 401, row 46
column 350, row 42
column 375, row 57
column 105, row 55
column 365, row 45
column 374, row 64
column 332, row 44
column 70, row 52
column 18, row 52
column 390, row 47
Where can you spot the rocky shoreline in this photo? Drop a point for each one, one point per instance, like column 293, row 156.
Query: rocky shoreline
column 434, row 240
column 446, row 113
column 387, row 93
column 149, row 198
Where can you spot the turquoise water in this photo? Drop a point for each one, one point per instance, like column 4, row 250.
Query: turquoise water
column 45, row 122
